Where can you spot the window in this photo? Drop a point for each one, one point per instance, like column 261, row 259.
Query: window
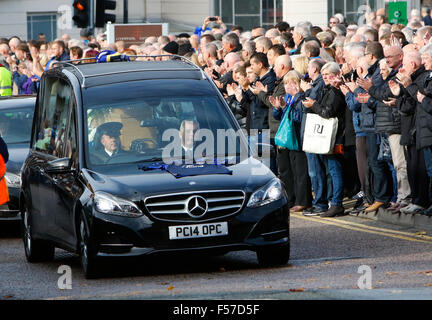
column 271, row 12
column 227, row 11
column 352, row 9
column 45, row 23
column 140, row 128
column 16, row 124
column 54, row 113
column 249, row 13
column 71, row 141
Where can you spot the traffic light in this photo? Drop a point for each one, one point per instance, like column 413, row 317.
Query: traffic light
column 81, row 15
column 102, row 17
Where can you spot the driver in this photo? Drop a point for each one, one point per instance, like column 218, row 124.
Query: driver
column 107, row 141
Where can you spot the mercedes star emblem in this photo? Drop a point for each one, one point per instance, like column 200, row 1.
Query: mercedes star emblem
column 197, row 206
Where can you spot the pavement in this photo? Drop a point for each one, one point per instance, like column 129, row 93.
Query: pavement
column 401, row 219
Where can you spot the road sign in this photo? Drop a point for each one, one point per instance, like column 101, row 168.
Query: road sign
column 397, row 12
column 135, row 34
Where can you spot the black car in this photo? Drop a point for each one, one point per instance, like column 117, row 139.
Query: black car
column 16, row 117
column 97, row 181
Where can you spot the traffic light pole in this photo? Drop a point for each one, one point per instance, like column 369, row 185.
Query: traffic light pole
column 91, row 20
column 125, row 11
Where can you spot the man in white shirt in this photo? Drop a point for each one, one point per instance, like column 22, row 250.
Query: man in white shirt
column 187, row 132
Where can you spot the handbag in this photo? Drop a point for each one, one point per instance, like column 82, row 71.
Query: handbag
column 319, row 134
column 286, row 135
column 384, row 153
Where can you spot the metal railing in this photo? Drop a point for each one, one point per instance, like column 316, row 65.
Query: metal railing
column 71, row 63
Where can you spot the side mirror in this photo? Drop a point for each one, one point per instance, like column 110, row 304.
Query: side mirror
column 63, row 165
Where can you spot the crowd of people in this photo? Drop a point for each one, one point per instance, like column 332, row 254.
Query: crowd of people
column 375, row 79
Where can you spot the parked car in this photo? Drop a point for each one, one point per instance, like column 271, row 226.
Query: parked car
column 16, row 117
column 96, row 181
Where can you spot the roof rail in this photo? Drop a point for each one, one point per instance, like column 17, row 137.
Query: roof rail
column 69, row 63
column 154, row 57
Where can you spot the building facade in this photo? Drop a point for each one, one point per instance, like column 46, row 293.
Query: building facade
column 28, row 18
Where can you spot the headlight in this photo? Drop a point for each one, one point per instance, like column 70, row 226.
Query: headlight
column 109, row 204
column 272, row 191
column 13, row 180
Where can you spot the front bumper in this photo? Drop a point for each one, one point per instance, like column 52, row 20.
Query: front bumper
column 10, row 210
column 250, row 229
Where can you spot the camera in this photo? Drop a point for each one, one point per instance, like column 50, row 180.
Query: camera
column 213, row 19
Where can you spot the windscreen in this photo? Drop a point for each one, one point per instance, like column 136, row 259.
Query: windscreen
column 158, row 128
column 16, row 125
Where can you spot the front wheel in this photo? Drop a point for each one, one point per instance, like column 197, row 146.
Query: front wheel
column 35, row 250
column 87, row 257
column 273, row 256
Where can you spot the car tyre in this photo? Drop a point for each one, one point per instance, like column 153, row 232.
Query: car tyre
column 273, row 256
column 35, row 250
column 86, row 252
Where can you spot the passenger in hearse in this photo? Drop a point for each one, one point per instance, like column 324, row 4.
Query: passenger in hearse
column 187, row 132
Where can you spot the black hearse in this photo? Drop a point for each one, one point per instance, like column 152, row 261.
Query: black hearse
column 96, row 181
column 16, row 117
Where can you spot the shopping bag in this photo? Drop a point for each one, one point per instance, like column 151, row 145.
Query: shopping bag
column 319, row 134
column 286, row 135
column 384, row 153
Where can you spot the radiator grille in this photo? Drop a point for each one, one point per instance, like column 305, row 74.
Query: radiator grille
column 177, row 207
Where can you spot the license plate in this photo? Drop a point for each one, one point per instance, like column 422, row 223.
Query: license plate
column 198, row 230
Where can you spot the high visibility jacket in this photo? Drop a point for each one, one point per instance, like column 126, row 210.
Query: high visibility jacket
column 4, row 194
column 5, row 82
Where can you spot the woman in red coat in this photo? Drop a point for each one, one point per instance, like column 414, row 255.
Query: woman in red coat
column 4, row 194
column 4, row 157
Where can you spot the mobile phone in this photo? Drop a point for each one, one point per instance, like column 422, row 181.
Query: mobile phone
column 213, row 19
column 306, row 78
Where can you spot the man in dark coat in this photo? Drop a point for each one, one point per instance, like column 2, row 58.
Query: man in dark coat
column 283, row 64
column 411, row 79
column 424, row 118
column 388, row 123
column 259, row 112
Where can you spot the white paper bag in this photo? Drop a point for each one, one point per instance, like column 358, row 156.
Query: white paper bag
column 319, row 134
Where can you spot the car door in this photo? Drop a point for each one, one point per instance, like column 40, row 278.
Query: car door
column 67, row 188
column 36, row 190
column 50, row 146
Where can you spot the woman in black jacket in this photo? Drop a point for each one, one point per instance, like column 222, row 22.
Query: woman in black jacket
column 332, row 105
